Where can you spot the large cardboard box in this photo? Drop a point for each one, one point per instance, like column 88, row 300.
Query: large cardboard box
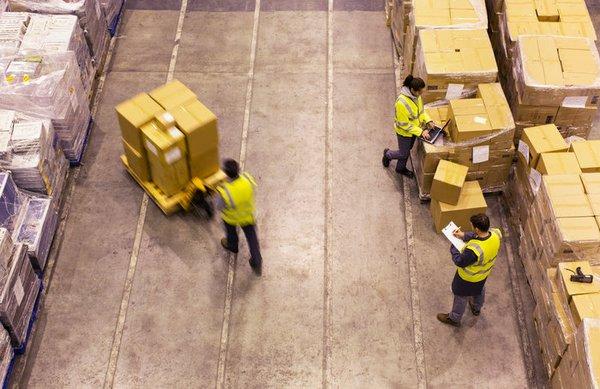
column 133, row 114
column 588, row 155
column 543, row 139
column 594, row 200
column 570, row 116
column 448, row 181
column 172, row 95
column 591, row 182
column 570, row 205
column 167, row 155
column 569, row 288
column 496, row 105
column 585, row 305
column 558, row 163
column 199, row 125
column 469, row 119
column 204, row 165
column 137, row 161
column 563, row 184
column 470, row 202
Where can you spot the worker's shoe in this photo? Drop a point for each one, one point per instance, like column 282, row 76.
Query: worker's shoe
column 406, row 173
column 474, row 311
column 385, row 160
column 226, row 246
column 445, row 318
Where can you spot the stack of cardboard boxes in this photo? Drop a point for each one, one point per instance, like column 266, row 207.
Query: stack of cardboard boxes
column 169, row 137
column 549, row 62
column 481, row 138
column 567, row 318
column 453, row 198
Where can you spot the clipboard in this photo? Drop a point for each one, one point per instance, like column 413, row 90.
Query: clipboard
column 448, row 232
column 435, row 133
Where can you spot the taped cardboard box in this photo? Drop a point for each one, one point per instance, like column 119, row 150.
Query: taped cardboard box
column 558, row 163
column 542, row 139
column 591, row 182
column 470, row 202
column 552, row 71
column 448, row 181
column 454, row 57
column 133, row 114
column 572, row 116
column 588, row 155
column 172, row 95
column 469, row 119
column 585, row 305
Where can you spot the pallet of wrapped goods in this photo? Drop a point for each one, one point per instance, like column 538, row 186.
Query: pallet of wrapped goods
column 429, row 14
column 480, row 137
column 580, row 366
column 27, row 149
column 19, row 288
column 31, row 219
column 112, row 10
column 90, row 14
column 49, row 86
column 454, row 56
column 399, row 21
column 6, row 355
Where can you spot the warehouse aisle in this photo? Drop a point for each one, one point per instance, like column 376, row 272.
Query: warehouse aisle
column 304, row 97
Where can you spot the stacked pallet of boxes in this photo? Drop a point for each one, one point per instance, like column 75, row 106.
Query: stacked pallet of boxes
column 454, row 62
column 169, row 137
column 481, row 138
column 90, row 15
column 6, row 354
column 549, row 62
column 399, row 11
column 555, row 198
column 111, row 9
column 434, row 14
column 453, row 198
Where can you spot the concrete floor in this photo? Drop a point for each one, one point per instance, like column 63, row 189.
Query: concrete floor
column 342, row 302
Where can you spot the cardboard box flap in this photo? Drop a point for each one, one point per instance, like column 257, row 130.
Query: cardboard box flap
column 591, row 182
column 563, row 184
column 578, row 229
column 558, row 163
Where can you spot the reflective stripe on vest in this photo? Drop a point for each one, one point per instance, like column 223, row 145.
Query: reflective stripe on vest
column 238, row 196
column 486, row 252
column 411, row 112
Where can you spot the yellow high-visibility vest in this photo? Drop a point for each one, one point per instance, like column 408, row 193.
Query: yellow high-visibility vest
column 410, row 117
column 238, row 197
column 486, row 251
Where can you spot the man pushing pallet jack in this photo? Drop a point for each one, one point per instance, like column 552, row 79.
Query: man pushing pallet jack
column 171, row 149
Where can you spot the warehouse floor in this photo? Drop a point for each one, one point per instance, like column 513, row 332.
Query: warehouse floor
column 353, row 271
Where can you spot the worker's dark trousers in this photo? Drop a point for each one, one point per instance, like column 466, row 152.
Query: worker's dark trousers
column 251, row 238
column 460, row 304
column 405, row 144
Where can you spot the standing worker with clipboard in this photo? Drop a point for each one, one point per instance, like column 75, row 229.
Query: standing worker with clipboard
column 411, row 121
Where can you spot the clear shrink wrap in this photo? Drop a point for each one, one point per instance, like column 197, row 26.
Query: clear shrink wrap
column 90, row 14
column 49, row 86
column 6, row 354
column 111, row 9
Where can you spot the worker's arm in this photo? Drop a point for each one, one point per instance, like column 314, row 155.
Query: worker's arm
column 424, row 118
column 219, row 203
column 464, row 259
column 403, row 121
column 469, row 235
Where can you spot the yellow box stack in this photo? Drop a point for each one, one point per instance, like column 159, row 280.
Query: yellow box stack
column 481, row 138
column 169, row 137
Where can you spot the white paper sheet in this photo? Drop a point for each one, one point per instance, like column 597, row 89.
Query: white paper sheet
column 448, row 231
column 454, row 91
column 524, row 149
column 481, row 154
column 575, row 101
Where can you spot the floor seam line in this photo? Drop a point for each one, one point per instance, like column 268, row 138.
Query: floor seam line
column 133, row 260
column 232, row 258
column 412, row 263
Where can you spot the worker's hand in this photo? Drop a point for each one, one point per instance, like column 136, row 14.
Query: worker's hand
column 430, row 125
column 425, row 134
column 459, row 234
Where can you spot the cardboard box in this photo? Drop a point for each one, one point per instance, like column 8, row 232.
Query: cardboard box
column 558, row 163
column 439, row 115
column 570, row 205
column 568, row 288
column 199, row 125
column 588, row 155
column 172, row 95
column 133, row 114
column 448, row 181
column 569, row 116
column 497, row 107
column 594, row 200
column 591, row 182
column 470, row 202
column 469, row 119
column 204, row 165
column 585, row 305
column 170, row 179
column 543, row 139
column 138, row 162
column 563, row 184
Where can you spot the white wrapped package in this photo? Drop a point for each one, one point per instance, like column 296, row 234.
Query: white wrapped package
column 49, row 86
column 90, row 14
column 13, row 26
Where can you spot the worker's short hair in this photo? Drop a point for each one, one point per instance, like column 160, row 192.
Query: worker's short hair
column 231, row 168
column 481, row 222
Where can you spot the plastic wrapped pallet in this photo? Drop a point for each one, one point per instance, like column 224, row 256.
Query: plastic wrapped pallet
column 30, row 154
column 49, row 86
column 111, row 9
column 18, row 292
column 454, row 56
column 430, row 14
column 90, row 14
column 399, row 21
column 30, row 218
column 13, row 26
column 6, row 354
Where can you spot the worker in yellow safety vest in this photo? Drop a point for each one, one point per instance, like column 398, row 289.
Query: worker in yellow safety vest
column 411, row 121
column 236, row 202
column 474, row 265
